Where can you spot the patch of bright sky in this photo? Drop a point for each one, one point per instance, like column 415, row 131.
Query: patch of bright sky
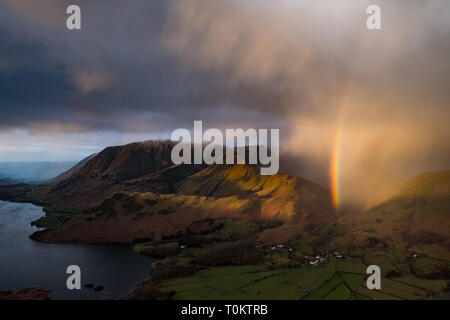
column 23, row 145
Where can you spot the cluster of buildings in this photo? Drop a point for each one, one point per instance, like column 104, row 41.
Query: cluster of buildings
column 321, row 257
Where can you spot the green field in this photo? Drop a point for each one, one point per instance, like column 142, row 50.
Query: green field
column 338, row 279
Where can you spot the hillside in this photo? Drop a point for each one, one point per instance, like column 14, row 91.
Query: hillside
column 129, row 216
column 296, row 201
column 118, row 190
column 67, row 174
column 416, row 216
column 136, row 167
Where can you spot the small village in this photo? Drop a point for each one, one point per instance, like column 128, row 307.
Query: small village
column 316, row 259
column 322, row 257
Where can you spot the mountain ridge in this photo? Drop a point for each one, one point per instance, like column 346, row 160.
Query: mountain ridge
column 113, row 196
column 117, row 171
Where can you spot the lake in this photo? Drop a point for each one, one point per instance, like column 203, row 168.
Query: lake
column 25, row 263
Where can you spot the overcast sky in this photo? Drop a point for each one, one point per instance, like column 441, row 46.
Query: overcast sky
column 139, row 69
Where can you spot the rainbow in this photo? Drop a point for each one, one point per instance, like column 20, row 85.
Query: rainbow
column 337, row 146
column 335, row 161
column 336, row 152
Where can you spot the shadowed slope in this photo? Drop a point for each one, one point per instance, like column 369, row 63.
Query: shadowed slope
column 66, row 175
column 127, row 217
column 416, row 216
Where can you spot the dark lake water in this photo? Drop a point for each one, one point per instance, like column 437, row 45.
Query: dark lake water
column 25, row 263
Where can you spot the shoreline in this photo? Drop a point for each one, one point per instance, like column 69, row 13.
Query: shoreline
column 43, row 293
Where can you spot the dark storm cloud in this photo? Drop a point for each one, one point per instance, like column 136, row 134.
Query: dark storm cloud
column 92, row 79
column 29, row 88
column 116, row 70
column 176, row 61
